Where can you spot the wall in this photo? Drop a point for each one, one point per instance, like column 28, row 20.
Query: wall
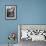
column 28, row 12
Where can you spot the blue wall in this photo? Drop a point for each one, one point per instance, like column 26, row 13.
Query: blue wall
column 28, row 12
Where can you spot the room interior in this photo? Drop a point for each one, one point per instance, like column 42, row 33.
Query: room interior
column 28, row 12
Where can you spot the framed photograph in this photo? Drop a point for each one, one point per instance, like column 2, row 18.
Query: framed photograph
column 10, row 12
column 32, row 32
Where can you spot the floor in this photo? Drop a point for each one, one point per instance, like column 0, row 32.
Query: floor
column 30, row 43
column 7, row 45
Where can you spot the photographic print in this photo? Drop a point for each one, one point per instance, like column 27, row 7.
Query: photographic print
column 10, row 11
column 32, row 32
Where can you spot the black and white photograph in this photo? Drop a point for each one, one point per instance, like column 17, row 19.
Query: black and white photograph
column 10, row 11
